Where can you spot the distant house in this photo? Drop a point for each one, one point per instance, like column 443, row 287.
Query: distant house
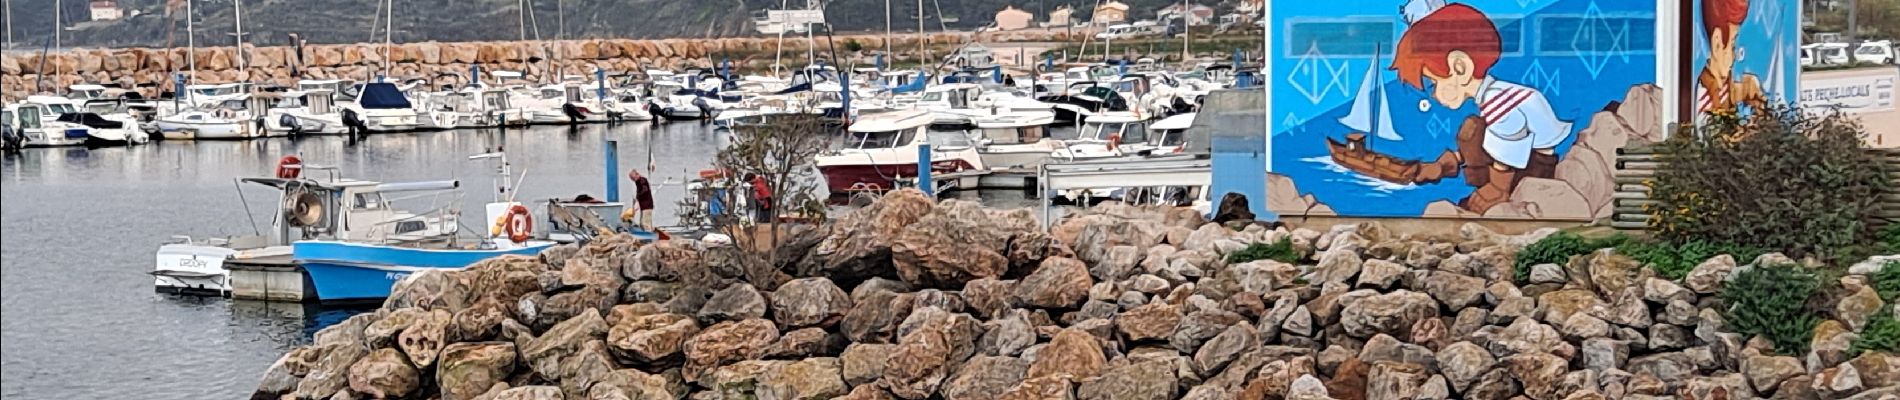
column 1197, row 14
column 1250, row 7
column 1113, row 12
column 1012, row 18
column 106, row 10
column 1062, row 16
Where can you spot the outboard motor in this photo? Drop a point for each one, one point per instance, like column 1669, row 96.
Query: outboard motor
column 290, row 122
column 574, row 115
column 705, row 110
column 354, row 123
column 10, row 139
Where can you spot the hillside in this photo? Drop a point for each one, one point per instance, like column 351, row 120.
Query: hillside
column 343, row 21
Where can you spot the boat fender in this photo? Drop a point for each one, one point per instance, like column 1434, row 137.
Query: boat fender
column 517, row 224
column 289, row 167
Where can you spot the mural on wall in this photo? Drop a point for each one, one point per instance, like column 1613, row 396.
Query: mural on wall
column 1472, row 108
column 1745, row 54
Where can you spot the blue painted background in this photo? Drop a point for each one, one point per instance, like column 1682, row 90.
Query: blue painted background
column 1771, row 25
column 1583, row 55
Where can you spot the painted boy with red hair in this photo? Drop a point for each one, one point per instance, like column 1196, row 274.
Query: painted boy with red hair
column 1449, row 51
column 1718, row 92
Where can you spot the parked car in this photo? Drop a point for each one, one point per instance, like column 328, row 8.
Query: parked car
column 1118, row 31
column 1878, row 52
column 1807, row 54
column 1832, row 53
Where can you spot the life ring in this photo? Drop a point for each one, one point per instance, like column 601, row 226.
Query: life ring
column 1114, row 141
column 517, row 224
column 289, row 167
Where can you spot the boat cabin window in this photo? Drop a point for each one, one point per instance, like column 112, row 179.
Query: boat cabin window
column 1014, row 135
column 1131, row 132
column 496, row 101
column 411, row 226
column 880, row 140
column 102, row 108
column 62, row 108
column 368, row 201
column 29, row 117
column 1171, row 138
column 551, row 94
column 318, row 104
column 573, row 94
column 6, row 118
column 953, row 139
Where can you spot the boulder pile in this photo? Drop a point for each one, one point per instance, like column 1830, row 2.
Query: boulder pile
column 150, row 70
column 911, row 298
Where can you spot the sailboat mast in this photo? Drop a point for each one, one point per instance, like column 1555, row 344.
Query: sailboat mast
column 191, row 40
column 887, row 29
column 57, row 16
column 237, row 11
column 1187, row 21
column 921, row 49
column 521, row 18
column 389, row 22
column 1378, row 92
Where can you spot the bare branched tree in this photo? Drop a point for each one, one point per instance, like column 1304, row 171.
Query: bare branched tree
column 780, row 153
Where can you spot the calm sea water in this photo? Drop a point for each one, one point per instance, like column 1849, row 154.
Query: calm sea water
column 78, row 229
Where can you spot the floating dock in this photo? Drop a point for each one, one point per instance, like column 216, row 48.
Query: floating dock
column 276, row 278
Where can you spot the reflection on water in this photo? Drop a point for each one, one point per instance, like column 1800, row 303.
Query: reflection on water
column 80, row 227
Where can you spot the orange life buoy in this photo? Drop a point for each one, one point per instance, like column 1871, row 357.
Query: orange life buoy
column 518, row 224
column 1114, row 141
column 289, row 167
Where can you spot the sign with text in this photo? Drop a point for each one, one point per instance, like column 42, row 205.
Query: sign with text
column 795, row 17
column 1849, row 94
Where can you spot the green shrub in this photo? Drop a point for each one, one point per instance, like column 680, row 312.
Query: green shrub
column 1890, row 239
column 1673, row 261
column 1558, row 248
column 1281, row 251
column 1770, row 301
column 1882, row 334
column 1887, row 281
column 1778, row 180
column 853, row 45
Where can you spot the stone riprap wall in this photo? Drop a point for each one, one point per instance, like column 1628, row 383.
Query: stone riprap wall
column 917, row 299
column 151, row 70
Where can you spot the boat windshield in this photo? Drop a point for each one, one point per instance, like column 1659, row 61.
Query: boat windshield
column 102, row 108
column 948, row 139
column 1171, row 138
column 1130, row 132
column 62, row 108
column 879, row 140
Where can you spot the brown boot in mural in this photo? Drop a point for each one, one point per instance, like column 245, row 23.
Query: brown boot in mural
column 1499, row 182
column 1543, row 164
column 1477, row 162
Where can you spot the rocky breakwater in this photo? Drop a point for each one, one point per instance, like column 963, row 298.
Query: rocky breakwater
column 150, row 70
column 910, row 298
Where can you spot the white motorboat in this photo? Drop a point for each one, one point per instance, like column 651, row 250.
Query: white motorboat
column 472, row 107
column 118, row 130
column 381, row 107
column 238, row 117
column 33, row 125
column 303, row 112
column 881, row 149
column 134, row 117
column 1108, row 135
column 674, row 101
column 1016, row 140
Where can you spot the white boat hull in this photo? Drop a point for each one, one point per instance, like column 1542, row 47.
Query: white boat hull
column 192, row 268
column 207, row 130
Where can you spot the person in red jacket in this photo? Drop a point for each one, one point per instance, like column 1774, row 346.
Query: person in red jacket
column 643, row 202
column 761, row 199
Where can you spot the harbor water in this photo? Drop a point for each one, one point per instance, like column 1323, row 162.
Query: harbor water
column 78, row 229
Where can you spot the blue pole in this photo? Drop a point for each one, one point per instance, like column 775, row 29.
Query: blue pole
column 844, row 91
column 613, row 170
column 880, row 63
column 923, row 171
column 600, row 83
column 475, row 74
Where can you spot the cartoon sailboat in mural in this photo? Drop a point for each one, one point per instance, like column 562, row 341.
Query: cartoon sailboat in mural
column 1371, row 117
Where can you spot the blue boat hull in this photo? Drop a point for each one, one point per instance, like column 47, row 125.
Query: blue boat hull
column 343, row 271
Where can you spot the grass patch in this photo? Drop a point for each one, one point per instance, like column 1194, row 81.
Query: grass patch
column 1281, row 251
column 1882, row 334
column 1557, row 249
column 1673, row 261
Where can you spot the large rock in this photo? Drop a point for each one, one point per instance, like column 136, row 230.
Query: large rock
column 384, row 373
column 727, row 342
column 1337, row 265
column 1224, row 348
column 863, row 363
column 1058, row 283
column 631, row 384
column 1146, row 380
column 1391, row 313
column 1043, row 388
column 988, row 297
column 1007, row 336
column 332, row 371
column 1395, row 381
column 959, row 241
column 650, row 338
column 734, row 303
column 1876, row 369
column 1708, row 277
column 985, row 377
column 932, row 343
column 559, row 346
column 808, row 302
column 466, row 370
column 1072, row 352
column 1464, row 363
column 1385, row 348
column 1150, row 321
column 1858, row 308
column 425, row 338
column 1453, row 290
column 813, row 378
column 1767, row 372
column 1539, row 373
column 858, row 244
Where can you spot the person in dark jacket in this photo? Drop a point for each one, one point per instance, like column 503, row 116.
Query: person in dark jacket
column 642, row 213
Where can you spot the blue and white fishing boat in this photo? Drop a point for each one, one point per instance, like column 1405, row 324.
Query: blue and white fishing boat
column 366, row 268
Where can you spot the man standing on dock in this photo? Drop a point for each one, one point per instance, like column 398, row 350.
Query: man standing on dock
column 643, row 202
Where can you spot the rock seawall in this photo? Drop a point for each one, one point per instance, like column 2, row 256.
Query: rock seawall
column 150, row 69
column 911, row 298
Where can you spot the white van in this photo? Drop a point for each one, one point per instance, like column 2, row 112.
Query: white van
column 1832, row 54
column 1119, row 31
